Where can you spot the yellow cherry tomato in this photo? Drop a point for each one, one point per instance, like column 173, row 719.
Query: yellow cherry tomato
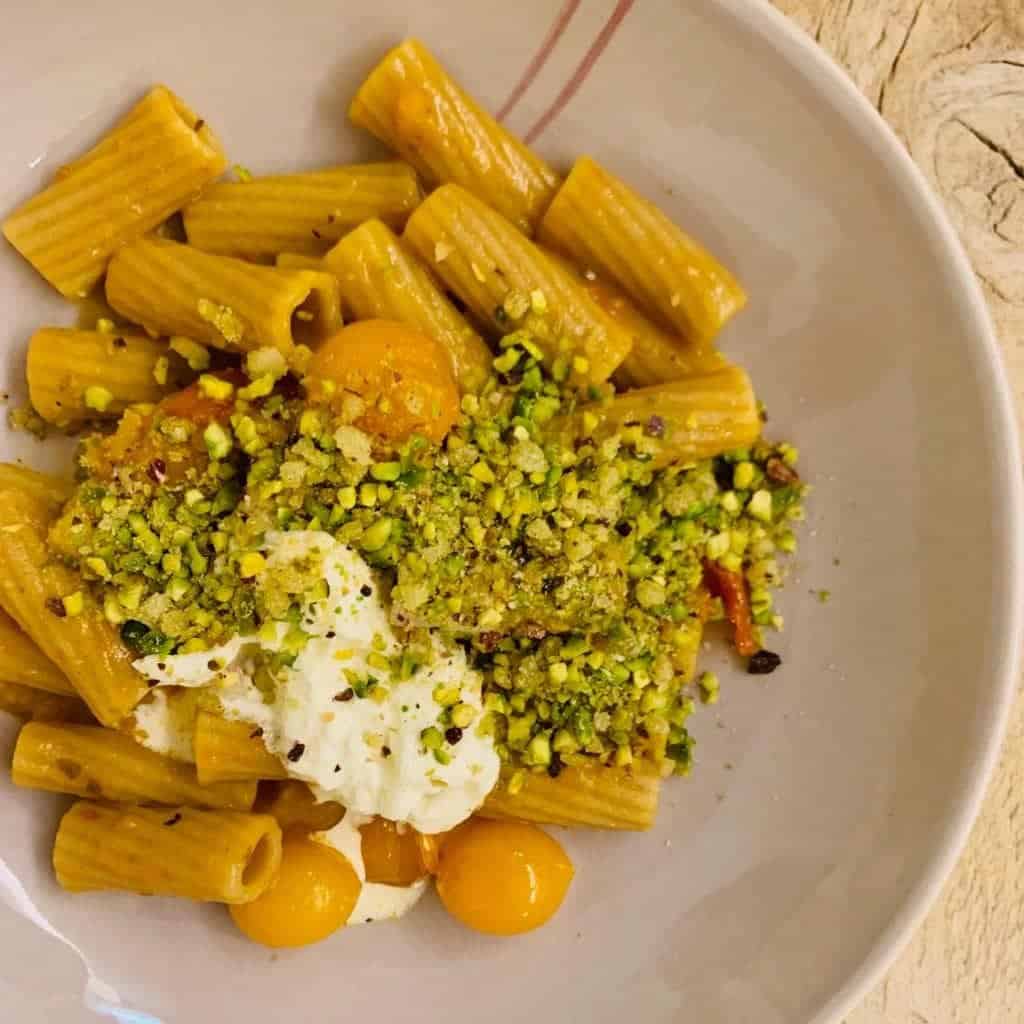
column 401, row 378
column 314, row 895
column 502, row 877
column 390, row 856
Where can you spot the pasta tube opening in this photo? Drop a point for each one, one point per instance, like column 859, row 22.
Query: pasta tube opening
column 175, row 289
column 214, row 856
column 317, row 314
column 261, row 866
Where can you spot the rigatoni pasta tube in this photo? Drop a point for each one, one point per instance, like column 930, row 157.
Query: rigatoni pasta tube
column 414, row 106
column 380, row 278
column 657, row 355
column 38, row 705
column 176, row 289
column 219, row 856
column 227, row 750
column 303, row 213
column 107, row 765
column 45, row 487
column 159, row 157
column 21, row 661
column 298, row 261
column 598, row 220
column 47, row 600
column 75, row 376
column 693, row 418
column 581, row 796
column 508, row 282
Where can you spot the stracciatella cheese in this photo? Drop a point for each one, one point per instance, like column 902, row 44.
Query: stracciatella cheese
column 365, row 752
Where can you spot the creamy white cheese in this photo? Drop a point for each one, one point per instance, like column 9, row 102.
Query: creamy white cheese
column 367, row 752
column 160, row 727
column 376, row 902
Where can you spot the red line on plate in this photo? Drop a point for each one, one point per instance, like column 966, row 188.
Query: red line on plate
column 579, row 76
column 540, row 58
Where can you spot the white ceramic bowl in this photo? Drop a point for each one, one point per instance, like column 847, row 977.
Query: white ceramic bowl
column 830, row 799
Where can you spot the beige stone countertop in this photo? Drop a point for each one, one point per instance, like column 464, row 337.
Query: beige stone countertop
column 948, row 75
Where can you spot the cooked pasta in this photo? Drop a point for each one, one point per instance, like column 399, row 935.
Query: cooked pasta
column 657, row 355
column 41, row 706
column 75, row 376
column 508, row 282
column 228, row 751
column 304, row 213
column 379, row 277
column 22, row 662
column 104, row 764
column 693, row 418
column 51, row 490
column 218, row 856
column 152, row 163
column 175, row 289
column 107, row 765
column 612, row 798
column 412, row 105
column 47, row 600
column 605, row 226
column 363, row 606
column 298, row 261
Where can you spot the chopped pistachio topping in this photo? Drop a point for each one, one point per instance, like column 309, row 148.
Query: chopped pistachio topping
column 215, row 387
column 224, row 319
column 259, row 388
column 571, row 569
column 265, row 362
column 160, row 369
column 708, row 686
column 217, row 440
column 197, row 356
column 97, row 398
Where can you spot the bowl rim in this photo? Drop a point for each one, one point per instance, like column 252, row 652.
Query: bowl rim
column 831, row 82
column 781, row 33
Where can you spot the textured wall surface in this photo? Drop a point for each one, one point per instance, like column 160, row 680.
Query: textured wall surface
column 948, row 75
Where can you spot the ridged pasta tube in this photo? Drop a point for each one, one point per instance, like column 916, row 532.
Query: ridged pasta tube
column 45, row 487
column 22, row 662
column 218, row 856
column 176, row 289
column 42, row 596
column 581, row 796
column 414, row 106
column 228, row 750
column 75, row 376
column 107, row 765
column 693, row 418
column 298, row 261
column 302, row 213
column 152, row 163
column 380, row 278
column 506, row 281
column 38, row 705
column 605, row 226
column 657, row 355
